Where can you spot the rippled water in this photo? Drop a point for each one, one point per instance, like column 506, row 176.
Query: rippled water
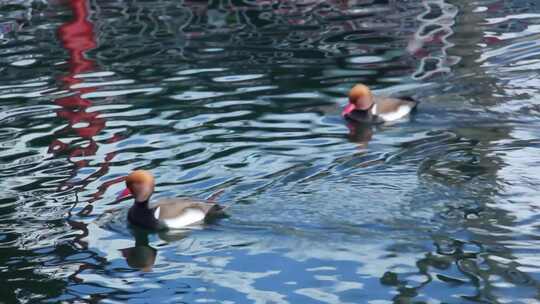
column 245, row 96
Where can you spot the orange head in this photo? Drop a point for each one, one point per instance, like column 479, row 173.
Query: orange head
column 360, row 98
column 140, row 183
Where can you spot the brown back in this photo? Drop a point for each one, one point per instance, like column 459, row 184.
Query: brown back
column 173, row 207
column 391, row 104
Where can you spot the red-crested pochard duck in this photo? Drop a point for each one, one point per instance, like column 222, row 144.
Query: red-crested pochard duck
column 172, row 213
column 365, row 107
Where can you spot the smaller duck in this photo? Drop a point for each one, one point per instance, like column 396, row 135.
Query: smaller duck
column 171, row 213
column 365, row 107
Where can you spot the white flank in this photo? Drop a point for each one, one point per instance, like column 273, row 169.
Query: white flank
column 190, row 216
column 156, row 213
column 401, row 112
column 374, row 109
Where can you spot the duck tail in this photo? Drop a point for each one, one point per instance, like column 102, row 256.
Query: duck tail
column 218, row 209
column 223, row 208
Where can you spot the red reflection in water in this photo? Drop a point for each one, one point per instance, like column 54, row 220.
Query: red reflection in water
column 77, row 37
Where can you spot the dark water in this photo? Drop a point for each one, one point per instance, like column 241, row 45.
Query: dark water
column 245, row 96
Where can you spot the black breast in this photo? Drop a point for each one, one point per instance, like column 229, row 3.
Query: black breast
column 360, row 116
column 141, row 216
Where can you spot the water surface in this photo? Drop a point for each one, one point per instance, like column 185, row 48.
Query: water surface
column 245, row 96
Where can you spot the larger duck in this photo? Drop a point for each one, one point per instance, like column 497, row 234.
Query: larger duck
column 170, row 213
column 365, row 107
